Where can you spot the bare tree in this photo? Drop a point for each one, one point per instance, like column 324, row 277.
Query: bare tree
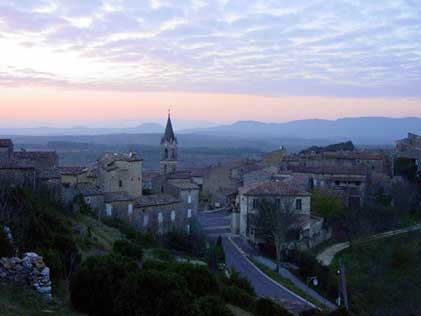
column 273, row 222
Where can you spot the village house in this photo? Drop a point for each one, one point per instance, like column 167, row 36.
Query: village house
column 221, row 182
column 37, row 170
column 410, row 148
column 279, row 192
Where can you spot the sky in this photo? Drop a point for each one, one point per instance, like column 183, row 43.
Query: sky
column 81, row 62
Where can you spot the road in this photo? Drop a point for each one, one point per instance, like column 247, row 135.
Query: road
column 327, row 255
column 217, row 224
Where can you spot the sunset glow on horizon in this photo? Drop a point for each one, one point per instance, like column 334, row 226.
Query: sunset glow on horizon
column 79, row 62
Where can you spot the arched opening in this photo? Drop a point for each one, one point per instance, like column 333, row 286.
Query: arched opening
column 166, row 153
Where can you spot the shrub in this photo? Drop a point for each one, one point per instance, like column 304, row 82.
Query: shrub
column 97, row 282
column 340, row 312
column 238, row 297
column 311, row 312
column 128, row 249
column 199, row 280
column 266, row 307
column 6, row 249
column 150, row 292
column 242, row 283
column 162, row 254
column 212, row 306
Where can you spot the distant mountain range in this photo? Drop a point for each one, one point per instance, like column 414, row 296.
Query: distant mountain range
column 146, row 128
column 363, row 130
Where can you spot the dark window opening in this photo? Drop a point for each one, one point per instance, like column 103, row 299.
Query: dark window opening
column 298, row 205
column 278, row 203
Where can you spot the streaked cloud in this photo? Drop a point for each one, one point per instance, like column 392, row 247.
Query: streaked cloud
column 355, row 48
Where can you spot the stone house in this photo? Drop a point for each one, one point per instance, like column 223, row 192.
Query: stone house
column 160, row 213
column 74, row 175
column 224, row 179
column 34, row 169
column 118, row 205
column 350, row 183
column 92, row 195
column 279, row 192
column 410, row 148
column 117, row 172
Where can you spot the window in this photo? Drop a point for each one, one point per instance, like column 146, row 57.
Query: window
column 145, row 220
column 120, row 183
column 255, row 203
column 189, row 213
column 172, row 216
column 166, row 153
column 189, row 199
column 88, row 200
column 188, row 229
column 108, row 209
column 162, row 189
column 278, row 203
column 130, row 209
column 165, row 168
column 160, row 218
column 298, row 204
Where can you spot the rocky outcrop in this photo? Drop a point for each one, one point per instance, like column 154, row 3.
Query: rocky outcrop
column 29, row 271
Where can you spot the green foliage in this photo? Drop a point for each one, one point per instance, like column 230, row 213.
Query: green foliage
column 6, row 249
column 144, row 240
column 340, row 312
column 162, row 254
column 128, row 249
column 326, row 205
column 345, row 146
column 212, row 306
column 98, row 281
column 238, row 297
column 406, row 167
column 38, row 225
column 153, row 292
column 193, row 243
column 236, row 280
column 199, row 280
column 311, row 312
column 266, row 307
column 383, row 276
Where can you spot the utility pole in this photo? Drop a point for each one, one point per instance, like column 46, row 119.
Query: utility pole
column 343, row 292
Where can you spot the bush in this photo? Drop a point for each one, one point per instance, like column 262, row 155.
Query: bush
column 199, row 280
column 152, row 292
column 340, row 312
column 238, row 297
column 6, row 249
column 311, row 312
column 128, row 249
column 162, row 254
column 212, row 306
column 266, row 307
column 97, row 282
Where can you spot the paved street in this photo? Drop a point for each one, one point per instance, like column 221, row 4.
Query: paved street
column 237, row 259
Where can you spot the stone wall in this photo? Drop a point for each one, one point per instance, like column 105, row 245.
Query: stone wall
column 29, row 271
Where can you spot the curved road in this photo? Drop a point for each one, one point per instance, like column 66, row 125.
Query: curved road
column 217, row 223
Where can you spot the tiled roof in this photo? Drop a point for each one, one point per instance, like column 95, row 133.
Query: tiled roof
column 117, row 196
column 354, row 155
column 72, row 171
column 89, row 189
column 107, row 161
column 34, row 155
column 15, row 164
column 274, row 187
column 335, row 170
column 49, row 173
column 155, row 200
column 184, row 184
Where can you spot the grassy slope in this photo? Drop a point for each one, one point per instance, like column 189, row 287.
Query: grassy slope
column 384, row 277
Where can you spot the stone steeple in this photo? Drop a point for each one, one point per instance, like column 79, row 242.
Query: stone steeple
column 169, row 153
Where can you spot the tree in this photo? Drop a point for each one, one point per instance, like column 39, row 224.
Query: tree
column 274, row 222
column 326, row 204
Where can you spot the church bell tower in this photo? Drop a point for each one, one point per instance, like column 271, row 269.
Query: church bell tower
column 169, row 149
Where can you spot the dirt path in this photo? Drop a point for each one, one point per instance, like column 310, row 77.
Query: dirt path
column 327, row 255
